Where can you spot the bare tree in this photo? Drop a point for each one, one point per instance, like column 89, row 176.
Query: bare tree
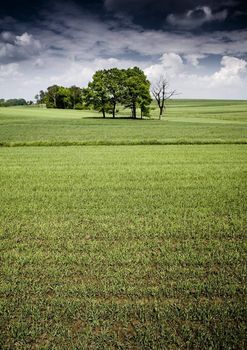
column 162, row 93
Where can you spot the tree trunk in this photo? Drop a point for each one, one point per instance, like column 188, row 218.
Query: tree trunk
column 103, row 112
column 114, row 110
column 161, row 112
column 55, row 101
column 134, row 110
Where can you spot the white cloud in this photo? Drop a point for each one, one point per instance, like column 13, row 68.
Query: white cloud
column 170, row 65
column 9, row 71
column 172, row 61
column 23, row 40
column 228, row 82
column 75, row 74
column 230, row 71
column 196, row 17
column 194, row 59
column 80, row 73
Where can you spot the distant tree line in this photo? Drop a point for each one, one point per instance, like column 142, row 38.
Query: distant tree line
column 14, row 102
column 61, row 97
column 108, row 88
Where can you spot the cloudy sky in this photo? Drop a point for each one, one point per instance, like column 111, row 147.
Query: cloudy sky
column 201, row 46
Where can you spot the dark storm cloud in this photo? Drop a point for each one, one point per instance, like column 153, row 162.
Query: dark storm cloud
column 28, row 10
column 165, row 6
column 15, row 48
column 191, row 13
column 71, row 31
column 169, row 6
column 196, row 17
column 151, row 14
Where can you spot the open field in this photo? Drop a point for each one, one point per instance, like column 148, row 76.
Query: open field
column 187, row 121
column 129, row 246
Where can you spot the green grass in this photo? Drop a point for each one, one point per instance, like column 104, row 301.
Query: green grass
column 186, row 122
column 128, row 247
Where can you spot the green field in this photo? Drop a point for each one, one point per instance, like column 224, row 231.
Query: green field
column 186, row 122
column 135, row 246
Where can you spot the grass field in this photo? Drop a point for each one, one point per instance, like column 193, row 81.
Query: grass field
column 129, row 246
column 188, row 121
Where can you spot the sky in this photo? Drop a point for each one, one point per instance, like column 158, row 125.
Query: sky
column 200, row 46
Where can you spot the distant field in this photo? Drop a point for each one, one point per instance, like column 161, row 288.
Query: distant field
column 186, row 121
column 129, row 246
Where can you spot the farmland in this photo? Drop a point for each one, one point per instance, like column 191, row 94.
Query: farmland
column 130, row 238
column 187, row 121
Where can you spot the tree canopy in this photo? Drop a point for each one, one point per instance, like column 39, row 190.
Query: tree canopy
column 108, row 88
column 61, row 97
column 129, row 87
column 136, row 91
column 13, row 102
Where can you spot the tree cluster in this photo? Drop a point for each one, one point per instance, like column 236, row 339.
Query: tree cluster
column 14, row 102
column 108, row 88
column 128, row 87
column 61, row 97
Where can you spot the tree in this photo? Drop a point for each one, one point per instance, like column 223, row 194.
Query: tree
column 60, row 97
column 64, row 98
column 13, row 102
column 40, row 98
column 136, row 90
column 37, row 98
column 97, row 93
column 161, row 94
column 75, row 95
column 144, row 107
column 51, row 96
column 114, row 83
column 108, row 87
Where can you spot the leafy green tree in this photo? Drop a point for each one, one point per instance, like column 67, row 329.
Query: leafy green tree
column 51, row 96
column 97, row 94
column 114, row 78
column 108, row 88
column 75, row 96
column 40, row 98
column 60, row 97
column 13, row 102
column 63, row 100
column 136, row 90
